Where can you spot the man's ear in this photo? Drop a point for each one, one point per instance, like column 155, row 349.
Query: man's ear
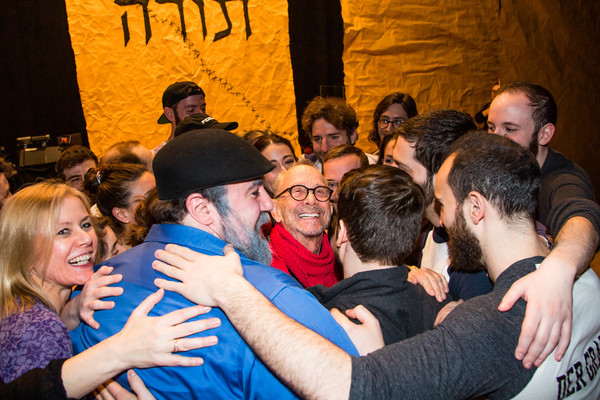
column 122, row 215
column 169, row 113
column 341, row 236
column 275, row 213
column 545, row 134
column 198, row 208
column 475, row 204
column 353, row 137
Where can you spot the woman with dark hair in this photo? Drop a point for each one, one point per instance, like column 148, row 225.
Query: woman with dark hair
column 390, row 113
column 118, row 188
column 276, row 149
column 108, row 243
column 386, row 150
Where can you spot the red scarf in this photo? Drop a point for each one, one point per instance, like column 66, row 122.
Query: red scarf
column 293, row 258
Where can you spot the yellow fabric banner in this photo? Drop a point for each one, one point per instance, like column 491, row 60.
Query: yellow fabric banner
column 443, row 53
column 128, row 51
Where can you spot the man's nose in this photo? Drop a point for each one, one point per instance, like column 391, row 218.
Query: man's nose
column 325, row 146
column 310, row 197
column 266, row 203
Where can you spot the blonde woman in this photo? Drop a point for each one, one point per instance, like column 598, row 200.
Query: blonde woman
column 48, row 246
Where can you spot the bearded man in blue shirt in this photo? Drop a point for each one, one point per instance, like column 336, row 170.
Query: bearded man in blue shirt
column 210, row 192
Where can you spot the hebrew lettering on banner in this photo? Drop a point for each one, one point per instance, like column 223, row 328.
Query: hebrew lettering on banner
column 200, row 3
column 144, row 4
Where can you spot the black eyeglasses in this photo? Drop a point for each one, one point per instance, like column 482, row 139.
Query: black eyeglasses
column 384, row 123
column 300, row 192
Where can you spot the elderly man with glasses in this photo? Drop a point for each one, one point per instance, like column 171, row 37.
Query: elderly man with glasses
column 302, row 210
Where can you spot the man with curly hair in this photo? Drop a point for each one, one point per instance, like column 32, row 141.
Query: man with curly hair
column 329, row 122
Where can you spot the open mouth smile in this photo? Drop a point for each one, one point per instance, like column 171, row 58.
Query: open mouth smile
column 81, row 260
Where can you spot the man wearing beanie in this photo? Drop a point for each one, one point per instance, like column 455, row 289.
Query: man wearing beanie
column 210, row 193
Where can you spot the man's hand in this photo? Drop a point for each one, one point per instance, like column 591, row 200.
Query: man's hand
column 549, row 296
column 83, row 306
column 112, row 390
column 433, row 283
column 443, row 313
column 367, row 336
column 200, row 276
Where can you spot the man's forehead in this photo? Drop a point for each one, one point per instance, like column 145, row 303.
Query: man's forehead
column 324, row 127
column 192, row 100
column 82, row 167
column 349, row 161
column 303, row 175
column 404, row 147
column 404, row 152
column 244, row 185
column 511, row 101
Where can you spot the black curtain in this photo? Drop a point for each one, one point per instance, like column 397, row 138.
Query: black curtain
column 316, row 47
column 39, row 94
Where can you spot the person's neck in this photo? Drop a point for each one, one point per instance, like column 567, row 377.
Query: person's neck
column 188, row 220
column 352, row 265
column 57, row 295
column 172, row 135
column 312, row 244
column 541, row 155
column 509, row 244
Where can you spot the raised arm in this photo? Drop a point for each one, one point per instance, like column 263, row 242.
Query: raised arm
column 549, row 292
column 309, row 364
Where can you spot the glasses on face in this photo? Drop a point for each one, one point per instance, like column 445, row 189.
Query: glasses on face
column 384, row 122
column 300, row 192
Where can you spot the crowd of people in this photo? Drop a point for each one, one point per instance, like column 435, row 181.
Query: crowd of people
column 452, row 263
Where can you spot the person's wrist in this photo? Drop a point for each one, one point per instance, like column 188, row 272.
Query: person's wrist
column 70, row 313
column 118, row 353
column 228, row 289
column 560, row 265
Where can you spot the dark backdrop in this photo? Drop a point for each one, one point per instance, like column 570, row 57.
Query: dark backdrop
column 316, row 47
column 39, row 94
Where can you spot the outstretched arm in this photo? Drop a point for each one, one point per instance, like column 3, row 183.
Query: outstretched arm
column 549, row 293
column 309, row 364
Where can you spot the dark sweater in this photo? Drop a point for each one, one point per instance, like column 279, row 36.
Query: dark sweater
column 38, row 383
column 402, row 309
column 470, row 354
column 567, row 192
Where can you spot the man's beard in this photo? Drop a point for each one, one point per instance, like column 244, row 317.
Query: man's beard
column 246, row 240
column 428, row 190
column 464, row 249
column 533, row 144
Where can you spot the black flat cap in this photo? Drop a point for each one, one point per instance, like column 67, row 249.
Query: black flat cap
column 204, row 158
column 202, row 121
